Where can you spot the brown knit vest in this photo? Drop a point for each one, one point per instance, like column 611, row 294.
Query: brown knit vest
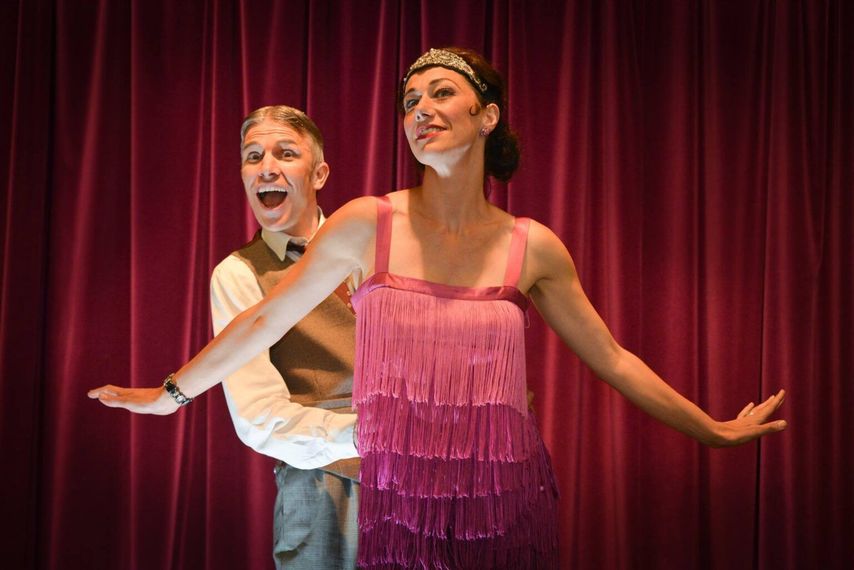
column 315, row 357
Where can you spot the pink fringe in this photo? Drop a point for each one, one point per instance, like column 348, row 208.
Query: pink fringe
column 439, row 478
column 488, row 432
column 438, row 359
column 454, row 473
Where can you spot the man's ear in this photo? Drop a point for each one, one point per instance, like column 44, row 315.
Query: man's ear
column 320, row 174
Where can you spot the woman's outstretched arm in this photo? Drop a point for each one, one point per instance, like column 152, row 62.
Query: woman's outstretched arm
column 557, row 293
column 343, row 246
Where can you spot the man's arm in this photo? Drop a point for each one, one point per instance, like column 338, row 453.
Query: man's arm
column 258, row 398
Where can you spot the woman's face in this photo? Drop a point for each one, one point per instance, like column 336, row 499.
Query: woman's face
column 442, row 116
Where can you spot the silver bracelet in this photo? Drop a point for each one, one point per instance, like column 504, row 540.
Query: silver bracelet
column 173, row 390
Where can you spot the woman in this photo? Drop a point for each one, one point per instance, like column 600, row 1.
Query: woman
column 454, row 473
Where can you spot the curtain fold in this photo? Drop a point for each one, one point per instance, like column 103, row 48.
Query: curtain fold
column 27, row 55
column 696, row 158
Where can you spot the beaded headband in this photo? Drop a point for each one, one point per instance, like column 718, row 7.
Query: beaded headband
column 448, row 60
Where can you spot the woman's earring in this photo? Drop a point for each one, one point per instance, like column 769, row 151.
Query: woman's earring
column 484, row 132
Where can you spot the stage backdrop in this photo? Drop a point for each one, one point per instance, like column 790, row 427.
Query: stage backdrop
column 695, row 156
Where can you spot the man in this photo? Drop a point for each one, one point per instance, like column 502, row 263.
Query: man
column 293, row 402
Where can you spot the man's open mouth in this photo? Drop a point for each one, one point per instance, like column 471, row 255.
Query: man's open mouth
column 272, row 197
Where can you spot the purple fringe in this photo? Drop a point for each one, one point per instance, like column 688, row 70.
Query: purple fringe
column 431, row 553
column 530, row 543
column 460, row 516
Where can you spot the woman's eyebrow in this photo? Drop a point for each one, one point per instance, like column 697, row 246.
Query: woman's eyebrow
column 437, row 80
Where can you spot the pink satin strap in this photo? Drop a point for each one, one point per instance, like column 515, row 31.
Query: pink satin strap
column 517, row 252
column 384, row 212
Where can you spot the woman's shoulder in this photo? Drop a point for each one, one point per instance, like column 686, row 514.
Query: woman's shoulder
column 365, row 204
column 399, row 199
column 545, row 248
column 361, row 208
column 362, row 211
column 540, row 235
column 356, row 217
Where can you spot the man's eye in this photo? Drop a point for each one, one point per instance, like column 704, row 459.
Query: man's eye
column 253, row 157
column 288, row 153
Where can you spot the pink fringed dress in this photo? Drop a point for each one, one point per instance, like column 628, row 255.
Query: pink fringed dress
column 454, row 472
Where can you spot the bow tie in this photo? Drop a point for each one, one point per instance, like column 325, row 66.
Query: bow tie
column 297, row 247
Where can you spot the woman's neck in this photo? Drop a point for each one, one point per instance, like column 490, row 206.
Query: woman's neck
column 453, row 197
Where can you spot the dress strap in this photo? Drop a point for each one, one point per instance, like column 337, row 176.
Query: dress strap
column 384, row 212
column 517, row 252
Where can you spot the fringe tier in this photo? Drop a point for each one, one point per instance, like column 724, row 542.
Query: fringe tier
column 434, row 355
column 434, row 477
column 530, row 545
column 458, row 515
column 454, row 473
column 488, row 432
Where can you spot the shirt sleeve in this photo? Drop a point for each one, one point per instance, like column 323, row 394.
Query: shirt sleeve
column 258, row 398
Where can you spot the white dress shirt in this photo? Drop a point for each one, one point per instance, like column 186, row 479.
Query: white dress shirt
column 258, row 398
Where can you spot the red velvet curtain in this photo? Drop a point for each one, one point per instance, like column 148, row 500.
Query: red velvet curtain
column 695, row 156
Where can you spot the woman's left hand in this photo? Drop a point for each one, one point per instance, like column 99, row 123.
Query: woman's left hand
column 752, row 422
column 138, row 400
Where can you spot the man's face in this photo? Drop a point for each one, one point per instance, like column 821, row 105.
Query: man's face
column 281, row 178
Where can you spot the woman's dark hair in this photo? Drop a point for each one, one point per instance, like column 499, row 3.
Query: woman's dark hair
column 501, row 156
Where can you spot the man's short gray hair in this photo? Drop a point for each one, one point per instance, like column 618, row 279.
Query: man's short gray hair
column 288, row 117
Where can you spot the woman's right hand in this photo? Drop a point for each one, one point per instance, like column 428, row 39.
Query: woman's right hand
column 137, row 400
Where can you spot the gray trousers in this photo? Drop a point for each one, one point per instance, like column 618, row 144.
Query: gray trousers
column 315, row 520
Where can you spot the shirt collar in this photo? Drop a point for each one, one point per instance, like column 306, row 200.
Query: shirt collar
column 278, row 241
